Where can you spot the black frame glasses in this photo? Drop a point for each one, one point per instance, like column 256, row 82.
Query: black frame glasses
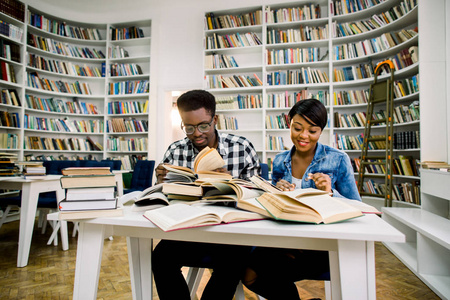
column 202, row 127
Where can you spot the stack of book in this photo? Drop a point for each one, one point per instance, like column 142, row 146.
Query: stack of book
column 32, row 169
column 7, row 165
column 90, row 193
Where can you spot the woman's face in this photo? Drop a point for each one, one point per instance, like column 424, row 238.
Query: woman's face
column 304, row 135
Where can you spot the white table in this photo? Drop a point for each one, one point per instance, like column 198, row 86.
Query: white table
column 30, row 194
column 351, row 246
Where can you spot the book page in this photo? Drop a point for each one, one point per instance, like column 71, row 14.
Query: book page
column 207, row 160
column 364, row 207
column 180, row 170
column 151, row 201
column 251, row 204
column 329, row 208
column 297, row 193
column 179, row 216
column 230, row 214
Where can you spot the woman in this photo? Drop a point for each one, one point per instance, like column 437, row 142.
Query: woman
column 272, row 272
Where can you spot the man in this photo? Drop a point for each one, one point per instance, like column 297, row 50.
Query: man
column 197, row 109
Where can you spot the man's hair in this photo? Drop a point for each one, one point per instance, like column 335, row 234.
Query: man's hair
column 311, row 110
column 196, row 99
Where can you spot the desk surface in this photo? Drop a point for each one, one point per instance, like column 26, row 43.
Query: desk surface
column 22, row 179
column 367, row 228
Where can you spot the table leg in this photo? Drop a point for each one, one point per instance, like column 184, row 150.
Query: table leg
column 27, row 217
column 335, row 276
column 357, row 269
column 89, row 258
column 139, row 257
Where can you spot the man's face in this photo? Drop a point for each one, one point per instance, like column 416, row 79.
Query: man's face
column 195, row 118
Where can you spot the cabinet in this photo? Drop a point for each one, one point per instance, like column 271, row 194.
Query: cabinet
column 427, row 249
column 75, row 81
column 320, row 49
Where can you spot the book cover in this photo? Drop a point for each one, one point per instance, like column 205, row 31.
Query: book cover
column 94, row 193
column 90, row 214
column 65, row 205
column 86, row 171
column 82, row 181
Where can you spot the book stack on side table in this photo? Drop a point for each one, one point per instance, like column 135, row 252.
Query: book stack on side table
column 32, row 169
column 7, row 165
column 90, row 193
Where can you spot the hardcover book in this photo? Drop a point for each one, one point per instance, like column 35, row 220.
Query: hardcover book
column 179, row 216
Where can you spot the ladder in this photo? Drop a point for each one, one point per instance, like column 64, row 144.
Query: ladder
column 380, row 93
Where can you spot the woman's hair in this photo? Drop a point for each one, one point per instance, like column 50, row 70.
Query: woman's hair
column 196, row 99
column 312, row 110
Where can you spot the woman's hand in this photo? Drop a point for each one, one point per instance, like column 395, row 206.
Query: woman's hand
column 322, row 181
column 285, row 185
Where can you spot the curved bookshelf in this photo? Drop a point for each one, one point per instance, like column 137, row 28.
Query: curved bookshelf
column 55, row 51
column 275, row 97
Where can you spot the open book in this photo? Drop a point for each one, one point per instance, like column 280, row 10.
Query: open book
column 307, row 205
column 179, row 216
column 150, row 198
column 205, row 162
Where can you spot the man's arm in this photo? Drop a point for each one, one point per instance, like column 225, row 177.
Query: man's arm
column 252, row 166
column 160, row 171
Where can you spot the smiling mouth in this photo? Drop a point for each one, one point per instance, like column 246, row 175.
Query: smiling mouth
column 303, row 143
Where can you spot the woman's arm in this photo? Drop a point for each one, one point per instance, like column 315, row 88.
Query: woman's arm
column 345, row 184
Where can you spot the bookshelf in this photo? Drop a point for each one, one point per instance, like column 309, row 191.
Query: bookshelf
column 306, row 51
column 74, row 81
column 128, row 89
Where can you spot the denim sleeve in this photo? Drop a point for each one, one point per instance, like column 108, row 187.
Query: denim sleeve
column 345, row 183
column 277, row 169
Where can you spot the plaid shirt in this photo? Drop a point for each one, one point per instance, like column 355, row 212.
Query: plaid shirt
column 238, row 153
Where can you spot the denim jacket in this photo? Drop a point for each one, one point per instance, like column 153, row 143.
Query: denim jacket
column 327, row 160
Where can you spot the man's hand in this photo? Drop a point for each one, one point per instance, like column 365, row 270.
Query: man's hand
column 161, row 173
column 222, row 170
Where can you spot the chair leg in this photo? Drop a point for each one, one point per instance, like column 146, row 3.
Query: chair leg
column 193, row 279
column 5, row 214
column 54, row 237
column 239, row 295
column 75, row 229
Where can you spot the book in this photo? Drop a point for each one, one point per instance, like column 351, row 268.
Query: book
column 93, row 193
column 264, row 184
column 65, row 205
column 179, row 216
column 205, row 162
column 82, row 181
column 90, row 214
column 308, row 206
column 182, row 188
column 86, row 171
column 179, row 174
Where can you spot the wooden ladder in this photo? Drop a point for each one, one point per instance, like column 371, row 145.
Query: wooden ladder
column 380, row 93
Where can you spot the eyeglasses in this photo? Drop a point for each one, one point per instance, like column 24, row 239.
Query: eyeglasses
column 202, row 127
